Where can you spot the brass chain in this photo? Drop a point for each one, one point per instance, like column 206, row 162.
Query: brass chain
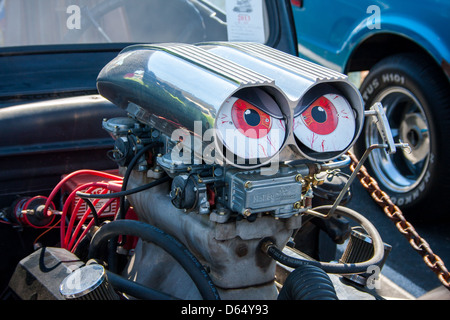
column 433, row 261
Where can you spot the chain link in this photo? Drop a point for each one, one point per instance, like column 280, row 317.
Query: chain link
column 394, row 213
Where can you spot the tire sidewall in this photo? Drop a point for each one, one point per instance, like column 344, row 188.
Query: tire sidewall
column 390, row 73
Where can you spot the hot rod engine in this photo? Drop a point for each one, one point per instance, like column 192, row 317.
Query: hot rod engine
column 219, row 159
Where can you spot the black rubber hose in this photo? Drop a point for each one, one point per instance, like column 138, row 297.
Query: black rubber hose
column 338, row 268
column 127, row 174
column 93, row 210
column 135, row 289
column 143, row 187
column 112, row 260
column 308, row 283
column 172, row 246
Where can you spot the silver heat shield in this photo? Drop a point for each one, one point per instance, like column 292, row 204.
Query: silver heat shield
column 179, row 89
column 182, row 89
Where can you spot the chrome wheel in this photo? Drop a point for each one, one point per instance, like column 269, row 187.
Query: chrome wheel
column 403, row 170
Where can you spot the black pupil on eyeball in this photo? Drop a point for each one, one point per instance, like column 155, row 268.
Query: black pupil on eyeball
column 252, row 117
column 319, row 114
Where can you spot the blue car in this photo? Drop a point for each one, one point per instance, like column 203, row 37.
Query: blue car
column 400, row 53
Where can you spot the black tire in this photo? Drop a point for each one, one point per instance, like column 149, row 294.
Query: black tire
column 416, row 96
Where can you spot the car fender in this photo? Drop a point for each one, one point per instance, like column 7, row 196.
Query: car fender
column 437, row 45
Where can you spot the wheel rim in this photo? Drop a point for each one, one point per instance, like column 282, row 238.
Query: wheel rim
column 402, row 171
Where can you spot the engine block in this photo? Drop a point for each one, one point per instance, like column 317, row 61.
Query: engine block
column 229, row 250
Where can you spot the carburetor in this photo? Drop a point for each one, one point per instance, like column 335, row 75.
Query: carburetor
column 241, row 130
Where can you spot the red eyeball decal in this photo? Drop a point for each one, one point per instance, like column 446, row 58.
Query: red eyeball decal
column 321, row 116
column 249, row 120
column 328, row 124
column 249, row 132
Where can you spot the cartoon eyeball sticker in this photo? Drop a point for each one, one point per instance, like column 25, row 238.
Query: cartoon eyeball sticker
column 249, row 132
column 327, row 125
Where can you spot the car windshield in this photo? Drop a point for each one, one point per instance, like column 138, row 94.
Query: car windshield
column 49, row 22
